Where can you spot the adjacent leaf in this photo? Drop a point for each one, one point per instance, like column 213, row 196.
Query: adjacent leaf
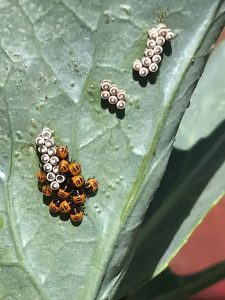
column 193, row 182
column 207, row 107
column 191, row 186
column 53, row 56
column 179, row 287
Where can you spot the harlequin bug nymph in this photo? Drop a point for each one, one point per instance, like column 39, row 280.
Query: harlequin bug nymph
column 66, row 206
column 63, row 166
column 78, row 181
column 75, row 168
column 78, row 198
column 54, row 206
column 91, row 185
column 62, row 193
column 41, row 175
column 62, row 152
column 46, row 190
column 76, row 216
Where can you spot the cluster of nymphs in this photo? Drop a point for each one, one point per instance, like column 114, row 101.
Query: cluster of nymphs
column 152, row 54
column 111, row 93
column 60, row 179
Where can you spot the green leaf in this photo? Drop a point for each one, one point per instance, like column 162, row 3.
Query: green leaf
column 53, row 55
column 193, row 182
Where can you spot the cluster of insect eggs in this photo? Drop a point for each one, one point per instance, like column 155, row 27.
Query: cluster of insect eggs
column 48, row 156
column 111, row 93
column 152, row 54
column 69, row 196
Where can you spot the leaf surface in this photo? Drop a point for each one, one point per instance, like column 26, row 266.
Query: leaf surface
column 53, row 55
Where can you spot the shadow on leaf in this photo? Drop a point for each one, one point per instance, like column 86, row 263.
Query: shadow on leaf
column 120, row 113
column 143, row 81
